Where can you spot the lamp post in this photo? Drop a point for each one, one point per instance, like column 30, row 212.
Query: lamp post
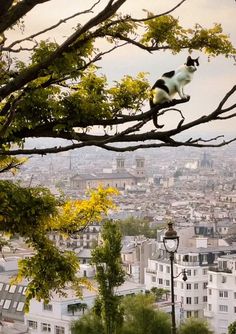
column 171, row 243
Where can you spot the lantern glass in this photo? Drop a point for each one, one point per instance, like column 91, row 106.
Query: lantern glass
column 171, row 244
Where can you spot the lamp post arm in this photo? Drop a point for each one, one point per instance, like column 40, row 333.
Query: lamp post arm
column 184, row 273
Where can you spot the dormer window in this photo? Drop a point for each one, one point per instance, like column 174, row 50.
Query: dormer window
column 222, row 265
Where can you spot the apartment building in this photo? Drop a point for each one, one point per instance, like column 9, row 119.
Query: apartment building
column 87, row 238
column 192, row 294
column 134, row 254
column 57, row 316
column 221, row 294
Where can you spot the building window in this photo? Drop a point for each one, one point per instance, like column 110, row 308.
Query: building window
column 205, row 271
column 188, row 286
column 193, row 258
column 234, row 295
column 160, row 267
column 7, row 304
column 20, row 289
column 195, row 286
column 168, row 269
column 47, row 307
column 167, row 282
column 189, row 272
column 234, row 309
column 189, row 314
column 153, row 279
column 204, row 285
column 223, row 294
column 209, row 307
column 59, row 330
column 204, row 299
column 182, row 285
column 223, row 308
column 12, row 288
column 195, row 300
column 210, row 278
column 160, row 281
column 204, row 259
column 222, row 265
column 195, row 314
column 209, row 291
column 223, row 280
column 32, row 324
column 46, row 327
column 188, row 300
column 20, row 306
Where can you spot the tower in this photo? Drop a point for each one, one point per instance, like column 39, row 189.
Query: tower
column 140, row 163
column 120, row 164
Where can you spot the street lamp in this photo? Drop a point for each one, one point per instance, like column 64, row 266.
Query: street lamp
column 171, row 244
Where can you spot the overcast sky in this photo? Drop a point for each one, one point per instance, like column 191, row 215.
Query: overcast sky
column 212, row 80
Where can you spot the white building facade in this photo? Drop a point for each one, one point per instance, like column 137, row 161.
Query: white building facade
column 221, row 291
column 191, row 294
column 57, row 316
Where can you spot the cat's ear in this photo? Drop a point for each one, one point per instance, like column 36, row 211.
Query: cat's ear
column 196, row 61
column 190, row 61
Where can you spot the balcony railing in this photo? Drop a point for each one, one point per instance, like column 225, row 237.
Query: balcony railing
column 151, row 271
column 220, row 270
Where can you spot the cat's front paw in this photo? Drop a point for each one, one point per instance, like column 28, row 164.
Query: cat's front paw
column 186, row 97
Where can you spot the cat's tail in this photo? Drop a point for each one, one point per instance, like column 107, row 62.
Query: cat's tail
column 155, row 115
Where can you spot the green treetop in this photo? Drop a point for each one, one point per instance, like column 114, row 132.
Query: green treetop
column 59, row 91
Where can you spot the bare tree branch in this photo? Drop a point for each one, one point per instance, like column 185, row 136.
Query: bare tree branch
column 151, row 17
column 31, row 37
column 132, row 134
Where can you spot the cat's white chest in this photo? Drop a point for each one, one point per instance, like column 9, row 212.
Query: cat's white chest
column 173, row 82
column 181, row 78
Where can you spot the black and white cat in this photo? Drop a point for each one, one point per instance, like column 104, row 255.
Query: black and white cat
column 173, row 82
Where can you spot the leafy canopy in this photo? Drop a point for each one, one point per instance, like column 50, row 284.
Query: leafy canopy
column 232, row 328
column 141, row 316
column 59, row 91
column 33, row 213
column 194, row 326
column 137, row 226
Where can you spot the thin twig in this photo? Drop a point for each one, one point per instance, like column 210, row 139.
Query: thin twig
column 31, row 37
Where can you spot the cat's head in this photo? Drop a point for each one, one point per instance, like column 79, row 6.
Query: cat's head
column 192, row 63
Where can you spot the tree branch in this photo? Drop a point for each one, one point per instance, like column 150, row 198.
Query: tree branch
column 151, row 17
column 13, row 13
column 32, row 72
column 130, row 134
column 31, row 37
